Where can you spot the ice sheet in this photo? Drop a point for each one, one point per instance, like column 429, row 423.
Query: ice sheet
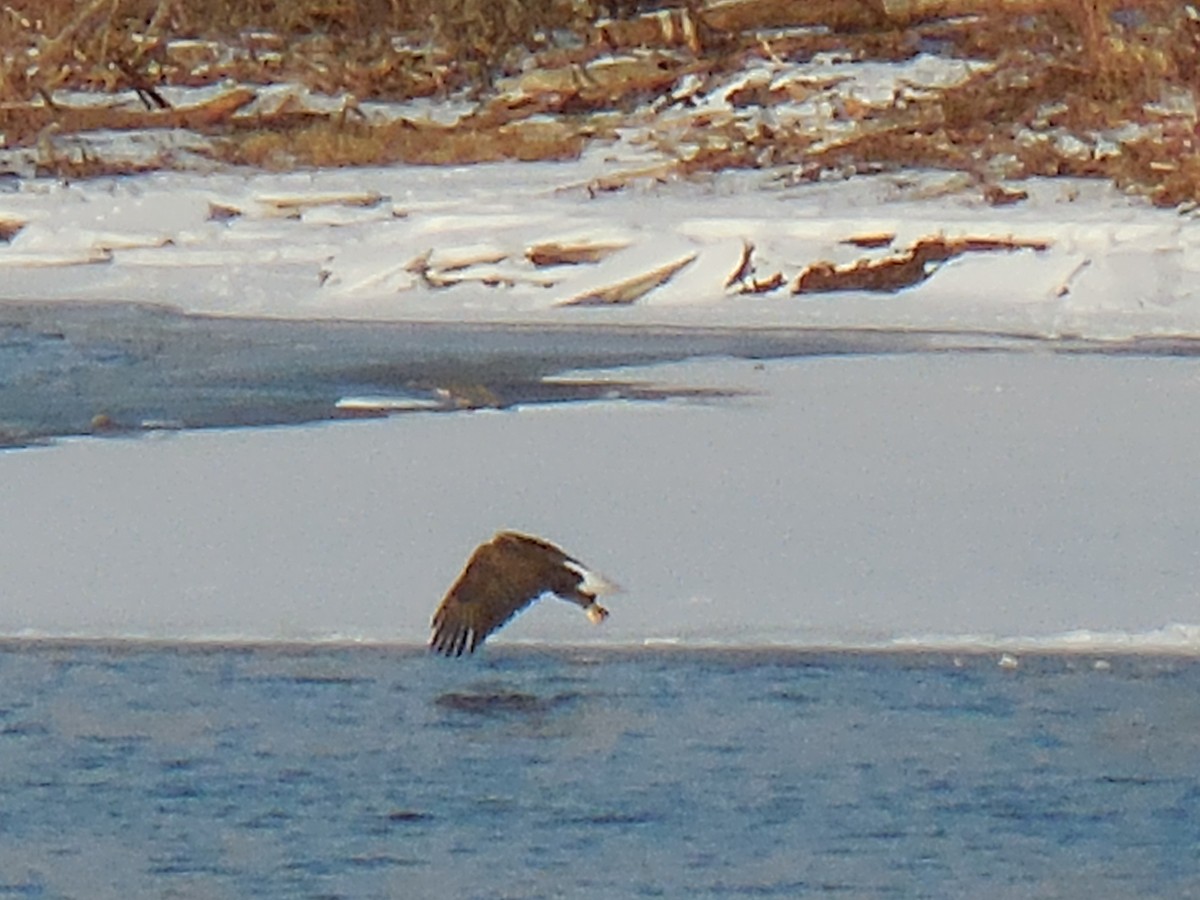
column 846, row 500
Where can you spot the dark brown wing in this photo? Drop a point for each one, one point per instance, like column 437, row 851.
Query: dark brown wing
column 501, row 578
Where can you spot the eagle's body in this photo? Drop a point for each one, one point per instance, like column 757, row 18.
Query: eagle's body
column 501, row 578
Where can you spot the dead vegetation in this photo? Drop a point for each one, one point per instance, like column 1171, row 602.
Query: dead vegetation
column 1097, row 88
column 895, row 272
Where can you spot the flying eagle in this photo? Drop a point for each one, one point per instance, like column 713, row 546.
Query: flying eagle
column 501, row 578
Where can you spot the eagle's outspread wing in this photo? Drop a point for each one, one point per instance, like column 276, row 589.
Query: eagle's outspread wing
column 501, row 578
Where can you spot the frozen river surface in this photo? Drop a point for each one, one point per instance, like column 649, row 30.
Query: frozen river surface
column 796, row 488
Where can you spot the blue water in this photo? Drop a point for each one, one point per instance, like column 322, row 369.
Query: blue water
column 135, row 770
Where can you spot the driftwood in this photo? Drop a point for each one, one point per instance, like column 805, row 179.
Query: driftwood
column 894, row 273
column 630, row 290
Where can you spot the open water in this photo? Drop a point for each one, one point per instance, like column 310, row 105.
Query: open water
column 153, row 770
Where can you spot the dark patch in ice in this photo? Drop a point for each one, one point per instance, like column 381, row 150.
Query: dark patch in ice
column 137, row 368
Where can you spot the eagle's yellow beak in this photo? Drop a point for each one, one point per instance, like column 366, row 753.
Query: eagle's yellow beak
column 596, row 613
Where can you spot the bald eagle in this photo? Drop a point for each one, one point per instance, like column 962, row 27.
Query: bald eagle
column 501, row 578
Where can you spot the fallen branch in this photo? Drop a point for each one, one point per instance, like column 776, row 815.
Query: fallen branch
column 894, row 273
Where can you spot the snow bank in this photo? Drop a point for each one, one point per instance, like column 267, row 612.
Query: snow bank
column 459, row 244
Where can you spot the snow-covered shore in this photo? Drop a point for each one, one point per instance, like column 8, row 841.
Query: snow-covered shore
column 941, row 499
column 462, row 244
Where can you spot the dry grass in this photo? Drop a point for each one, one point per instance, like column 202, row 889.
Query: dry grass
column 329, row 143
column 1066, row 74
column 117, row 43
